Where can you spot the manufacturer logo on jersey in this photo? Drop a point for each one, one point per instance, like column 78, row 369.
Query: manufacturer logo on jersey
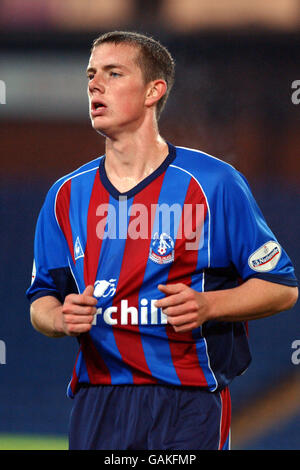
column 78, row 251
column 105, row 288
column 266, row 257
column 162, row 249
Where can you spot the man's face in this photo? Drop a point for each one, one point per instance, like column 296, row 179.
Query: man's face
column 116, row 89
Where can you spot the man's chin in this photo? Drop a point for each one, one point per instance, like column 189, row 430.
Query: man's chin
column 99, row 129
column 101, row 132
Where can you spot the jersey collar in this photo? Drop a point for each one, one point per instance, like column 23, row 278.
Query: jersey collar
column 140, row 186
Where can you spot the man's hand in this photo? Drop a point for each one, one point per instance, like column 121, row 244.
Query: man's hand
column 185, row 308
column 78, row 312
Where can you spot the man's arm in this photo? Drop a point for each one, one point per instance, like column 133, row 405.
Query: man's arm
column 75, row 316
column 187, row 309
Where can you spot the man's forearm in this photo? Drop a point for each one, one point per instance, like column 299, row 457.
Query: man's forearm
column 45, row 314
column 187, row 309
column 252, row 300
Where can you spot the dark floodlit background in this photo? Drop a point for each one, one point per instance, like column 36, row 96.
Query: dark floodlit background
column 233, row 98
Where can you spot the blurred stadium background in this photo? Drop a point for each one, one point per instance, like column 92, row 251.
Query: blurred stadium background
column 236, row 63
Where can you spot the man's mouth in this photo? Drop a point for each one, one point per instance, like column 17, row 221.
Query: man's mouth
column 97, row 108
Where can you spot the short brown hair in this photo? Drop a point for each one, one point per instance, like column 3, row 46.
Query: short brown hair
column 154, row 59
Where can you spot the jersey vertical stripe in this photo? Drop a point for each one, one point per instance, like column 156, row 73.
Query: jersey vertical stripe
column 78, row 215
column 97, row 370
column 184, row 353
column 62, row 208
column 79, row 374
column 110, row 263
column 133, row 266
column 93, row 241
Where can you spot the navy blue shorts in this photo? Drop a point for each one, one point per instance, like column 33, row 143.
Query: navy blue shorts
column 149, row 417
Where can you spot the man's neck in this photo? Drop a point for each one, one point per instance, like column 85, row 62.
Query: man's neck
column 131, row 159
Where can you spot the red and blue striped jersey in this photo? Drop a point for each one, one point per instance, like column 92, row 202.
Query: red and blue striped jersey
column 194, row 220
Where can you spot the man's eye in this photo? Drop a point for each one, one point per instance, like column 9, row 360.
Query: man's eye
column 114, row 74
column 90, row 77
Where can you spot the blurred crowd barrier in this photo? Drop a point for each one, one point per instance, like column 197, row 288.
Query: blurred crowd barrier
column 175, row 14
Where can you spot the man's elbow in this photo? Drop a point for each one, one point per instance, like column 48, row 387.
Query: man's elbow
column 290, row 298
column 33, row 319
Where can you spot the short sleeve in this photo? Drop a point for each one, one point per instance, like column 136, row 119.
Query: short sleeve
column 254, row 249
column 51, row 273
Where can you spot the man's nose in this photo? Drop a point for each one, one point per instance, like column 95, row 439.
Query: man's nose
column 96, row 84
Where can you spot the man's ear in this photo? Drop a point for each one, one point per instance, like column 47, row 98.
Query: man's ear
column 155, row 91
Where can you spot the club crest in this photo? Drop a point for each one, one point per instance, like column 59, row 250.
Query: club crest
column 162, row 249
